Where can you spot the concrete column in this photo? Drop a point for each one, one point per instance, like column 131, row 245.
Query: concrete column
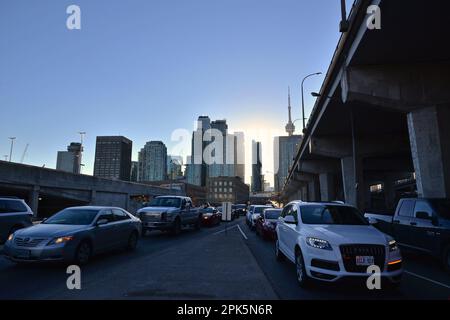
column 313, row 191
column 353, row 184
column 327, row 187
column 93, row 195
column 429, row 135
column 389, row 193
column 34, row 200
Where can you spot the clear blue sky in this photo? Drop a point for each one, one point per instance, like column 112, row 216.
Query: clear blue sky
column 143, row 68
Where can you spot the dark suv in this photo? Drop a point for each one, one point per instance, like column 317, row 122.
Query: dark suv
column 14, row 214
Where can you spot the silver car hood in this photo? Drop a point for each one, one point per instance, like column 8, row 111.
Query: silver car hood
column 49, row 230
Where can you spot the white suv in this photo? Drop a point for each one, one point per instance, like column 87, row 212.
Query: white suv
column 330, row 241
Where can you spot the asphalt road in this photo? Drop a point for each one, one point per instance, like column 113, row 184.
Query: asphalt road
column 205, row 264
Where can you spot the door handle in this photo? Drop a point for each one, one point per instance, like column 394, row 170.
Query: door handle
column 413, row 223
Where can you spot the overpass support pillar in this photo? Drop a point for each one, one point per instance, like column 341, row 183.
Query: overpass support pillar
column 327, row 187
column 34, row 200
column 429, row 135
column 352, row 180
column 312, row 191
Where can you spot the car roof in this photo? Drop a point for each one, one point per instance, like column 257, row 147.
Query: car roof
column 320, row 203
column 180, row 197
column 11, row 198
column 93, row 207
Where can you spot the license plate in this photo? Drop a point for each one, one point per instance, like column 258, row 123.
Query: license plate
column 23, row 254
column 365, row 260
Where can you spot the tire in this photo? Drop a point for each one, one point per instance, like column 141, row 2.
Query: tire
column 278, row 254
column 83, row 253
column 302, row 277
column 176, row 229
column 446, row 258
column 132, row 241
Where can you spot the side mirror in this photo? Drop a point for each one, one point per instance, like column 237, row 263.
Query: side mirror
column 101, row 222
column 423, row 215
column 290, row 220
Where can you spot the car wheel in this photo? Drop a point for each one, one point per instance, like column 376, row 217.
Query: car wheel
column 83, row 253
column 446, row 258
column 302, row 277
column 176, row 227
column 278, row 253
column 132, row 241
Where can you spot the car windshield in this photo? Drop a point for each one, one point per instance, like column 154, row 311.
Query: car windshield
column 272, row 214
column 73, row 217
column 442, row 207
column 259, row 209
column 330, row 214
column 11, row 206
column 165, row 202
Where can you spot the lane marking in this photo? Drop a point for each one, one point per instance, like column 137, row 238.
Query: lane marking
column 221, row 231
column 242, row 232
column 427, row 279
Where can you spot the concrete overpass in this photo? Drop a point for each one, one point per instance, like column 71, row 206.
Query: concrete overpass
column 383, row 113
column 48, row 191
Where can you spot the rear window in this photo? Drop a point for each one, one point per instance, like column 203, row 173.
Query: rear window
column 272, row 214
column 259, row 209
column 442, row 207
column 11, row 206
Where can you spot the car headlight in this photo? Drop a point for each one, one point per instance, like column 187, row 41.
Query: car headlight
column 393, row 246
column 60, row 240
column 318, row 243
column 11, row 237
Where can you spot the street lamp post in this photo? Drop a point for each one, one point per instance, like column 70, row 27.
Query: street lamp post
column 303, row 100
column 12, row 145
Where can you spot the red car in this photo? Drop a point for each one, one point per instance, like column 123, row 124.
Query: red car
column 211, row 217
column 266, row 223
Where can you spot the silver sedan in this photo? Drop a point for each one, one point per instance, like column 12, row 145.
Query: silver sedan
column 75, row 235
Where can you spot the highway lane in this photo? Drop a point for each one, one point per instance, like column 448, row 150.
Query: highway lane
column 205, row 264
column 424, row 278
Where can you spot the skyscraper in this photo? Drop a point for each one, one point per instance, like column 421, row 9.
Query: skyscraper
column 285, row 148
column 257, row 178
column 196, row 168
column 174, row 167
column 134, row 171
column 113, row 157
column 152, row 162
column 70, row 160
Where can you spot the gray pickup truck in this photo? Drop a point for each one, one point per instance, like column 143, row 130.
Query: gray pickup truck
column 421, row 224
column 169, row 213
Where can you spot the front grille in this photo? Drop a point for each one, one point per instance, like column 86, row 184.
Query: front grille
column 349, row 253
column 150, row 217
column 28, row 242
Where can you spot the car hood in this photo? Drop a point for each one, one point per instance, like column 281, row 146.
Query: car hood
column 49, row 230
column 157, row 209
column 347, row 234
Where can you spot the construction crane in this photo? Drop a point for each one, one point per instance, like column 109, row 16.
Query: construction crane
column 24, row 153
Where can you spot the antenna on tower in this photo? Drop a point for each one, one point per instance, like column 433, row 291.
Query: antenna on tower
column 290, row 128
